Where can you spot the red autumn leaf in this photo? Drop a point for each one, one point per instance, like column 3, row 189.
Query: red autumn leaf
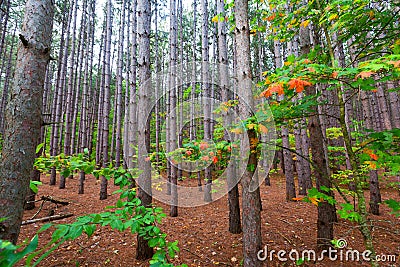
column 203, row 146
column 188, row 152
column 272, row 17
column 373, row 156
column 215, row 159
column 298, row 84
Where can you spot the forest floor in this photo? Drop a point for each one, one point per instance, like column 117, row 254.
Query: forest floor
column 202, row 231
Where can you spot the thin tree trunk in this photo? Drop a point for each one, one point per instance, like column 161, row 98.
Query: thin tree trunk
column 106, row 99
column 233, row 193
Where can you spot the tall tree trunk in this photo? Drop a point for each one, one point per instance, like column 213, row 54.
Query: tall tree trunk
column 206, row 89
column 143, row 251
column 106, row 99
column 23, row 117
column 233, row 193
column 172, row 114
column 59, row 90
column 326, row 212
column 251, row 217
column 119, row 88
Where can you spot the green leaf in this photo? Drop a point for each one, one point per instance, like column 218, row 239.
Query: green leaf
column 39, row 147
column 394, row 205
column 89, row 229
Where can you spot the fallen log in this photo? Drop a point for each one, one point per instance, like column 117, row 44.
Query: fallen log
column 48, row 219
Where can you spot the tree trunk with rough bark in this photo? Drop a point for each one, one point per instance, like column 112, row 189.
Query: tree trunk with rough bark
column 251, row 217
column 23, row 116
column 143, row 251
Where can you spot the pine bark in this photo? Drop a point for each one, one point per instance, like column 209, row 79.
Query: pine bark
column 251, row 217
column 326, row 212
column 23, row 117
column 106, row 99
column 143, row 251
column 233, row 193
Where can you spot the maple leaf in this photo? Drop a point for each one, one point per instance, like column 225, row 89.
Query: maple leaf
column 396, row 64
column 203, row 146
column 305, row 23
column 373, row 156
column 253, row 142
column 298, row 84
column 250, row 126
column 335, row 74
column 276, row 88
column 215, row 19
column 314, row 200
column 237, row 131
column 262, row 129
column 364, row 74
column 371, row 165
column 270, row 18
column 215, row 159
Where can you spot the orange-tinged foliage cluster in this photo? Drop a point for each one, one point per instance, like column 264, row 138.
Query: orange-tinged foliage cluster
column 273, row 88
column 296, row 83
column 364, row 74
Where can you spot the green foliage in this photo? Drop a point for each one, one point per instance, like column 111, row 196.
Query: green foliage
column 8, row 251
column 33, row 185
column 347, row 212
column 394, row 205
column 126, row 214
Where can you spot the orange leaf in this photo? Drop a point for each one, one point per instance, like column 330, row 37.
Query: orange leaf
column 364, row 74
column 298, row 198
column 262, row 129
column 307, row 61
column 298, row 84
column 373, row 156
column 396, row 64
column 276, row 88
column 203, row 146
column 314, row 200
column 215, row 159
column 272, row 17
column 335, row 74
column 372, row 165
